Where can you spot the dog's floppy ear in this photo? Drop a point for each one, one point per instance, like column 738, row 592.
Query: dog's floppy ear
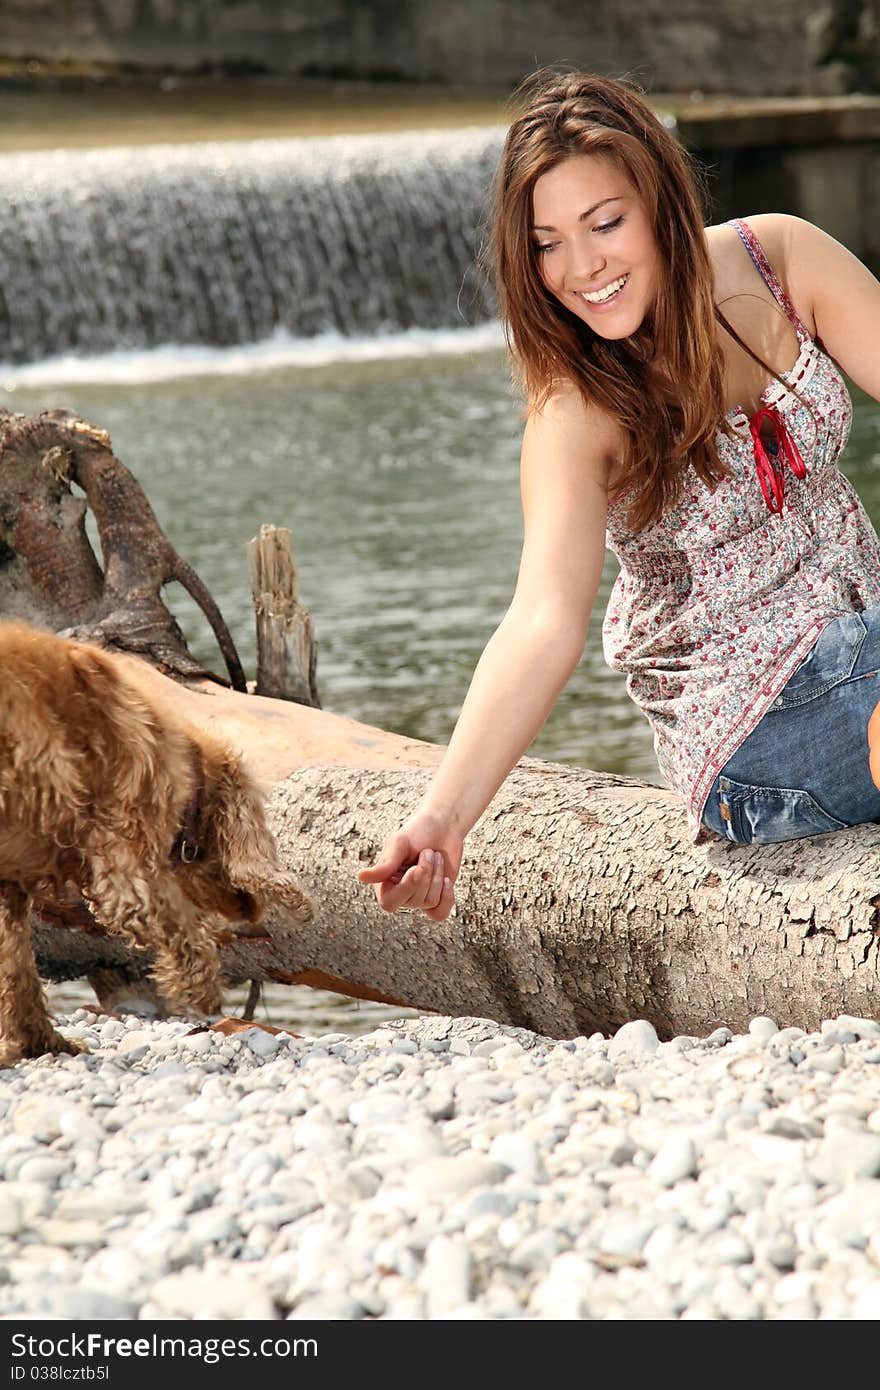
column 125, row 729
column 244, row 845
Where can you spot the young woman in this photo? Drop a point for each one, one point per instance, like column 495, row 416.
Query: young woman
column 686, row 407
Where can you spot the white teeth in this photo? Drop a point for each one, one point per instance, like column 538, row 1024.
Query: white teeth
column 600, row 296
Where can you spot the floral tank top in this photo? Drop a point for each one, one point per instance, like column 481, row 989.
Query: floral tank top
column 718, row 602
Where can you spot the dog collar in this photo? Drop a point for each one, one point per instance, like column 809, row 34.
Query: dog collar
column 186, row 846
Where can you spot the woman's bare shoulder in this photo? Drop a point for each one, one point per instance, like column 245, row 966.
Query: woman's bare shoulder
column 728, row 255
column 726, row 250
column 565, row 406
column 566, row 421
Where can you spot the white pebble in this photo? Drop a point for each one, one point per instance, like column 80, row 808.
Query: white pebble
column 454, row 1176
column 633, row 1039
column 520, row 1154
column 446, row 1276
column 675, row 1161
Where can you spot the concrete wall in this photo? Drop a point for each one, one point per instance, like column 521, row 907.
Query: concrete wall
column 749, row 47
column 819, row 160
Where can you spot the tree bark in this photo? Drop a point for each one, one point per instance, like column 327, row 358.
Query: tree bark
column 581, row 901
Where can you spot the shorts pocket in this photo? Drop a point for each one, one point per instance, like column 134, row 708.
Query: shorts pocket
column 768, row 815
column 831, row 661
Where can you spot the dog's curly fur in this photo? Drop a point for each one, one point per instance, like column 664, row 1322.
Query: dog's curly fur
column 97, row 781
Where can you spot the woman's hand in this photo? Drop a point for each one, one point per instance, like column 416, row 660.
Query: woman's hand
column 417, row 867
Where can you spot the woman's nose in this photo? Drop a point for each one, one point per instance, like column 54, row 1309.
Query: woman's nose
column 585, row 260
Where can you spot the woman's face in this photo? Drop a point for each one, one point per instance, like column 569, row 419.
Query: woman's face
column 595, row 245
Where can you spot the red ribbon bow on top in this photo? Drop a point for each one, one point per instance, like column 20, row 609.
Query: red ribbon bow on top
column 771, row 470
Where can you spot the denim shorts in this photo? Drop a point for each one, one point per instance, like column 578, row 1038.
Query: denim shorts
column 803, row 770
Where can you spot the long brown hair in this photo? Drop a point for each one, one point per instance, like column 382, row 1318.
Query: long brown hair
column 664, row 383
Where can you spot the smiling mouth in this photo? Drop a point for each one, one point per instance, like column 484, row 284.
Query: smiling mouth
column 606, row 294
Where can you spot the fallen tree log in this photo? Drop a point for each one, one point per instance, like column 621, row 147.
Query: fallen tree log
column 581, row 901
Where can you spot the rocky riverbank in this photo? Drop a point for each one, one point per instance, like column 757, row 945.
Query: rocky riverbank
column 440, row 1168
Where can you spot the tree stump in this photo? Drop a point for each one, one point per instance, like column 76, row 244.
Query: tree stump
column 49, row 575
column 287, row 649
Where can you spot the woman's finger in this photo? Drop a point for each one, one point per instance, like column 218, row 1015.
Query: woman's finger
column 410, row 891
column 392, row 857
column 446, row 903
column 435, row 888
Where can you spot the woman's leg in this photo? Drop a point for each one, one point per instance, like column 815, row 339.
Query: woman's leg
column 812, row 765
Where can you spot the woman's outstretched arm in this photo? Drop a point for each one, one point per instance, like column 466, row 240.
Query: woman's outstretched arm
column 527, row 661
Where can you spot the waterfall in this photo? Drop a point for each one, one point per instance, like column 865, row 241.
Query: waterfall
column 224, row 244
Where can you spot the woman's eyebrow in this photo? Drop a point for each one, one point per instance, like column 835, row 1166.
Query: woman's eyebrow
column 589, row 212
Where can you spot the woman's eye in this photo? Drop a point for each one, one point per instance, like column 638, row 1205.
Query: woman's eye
column 542, row 246
column 609, row 226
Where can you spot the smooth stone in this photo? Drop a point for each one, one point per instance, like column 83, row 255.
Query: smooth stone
column 409, row 1307
column 11, row 1216
column 199, row 1042
column 263, row 1044
column 862, row 1027
column 660, row 1245
column 846, row 1154
column 625, row 1233
column 382, row 1107
column 454, row 1176
column 118, row 1269
column 830, row 1061
column 794, row 1288
column 520, row 1154
column 77, row 1124
column 327, row 1306
column 37, row 1119
column 213, row 1226
column 634, row 1039
column 490, row 1045
column 562, row 1290
column 218, row 1294
column 851, row 1217
column 763, row 1028
column 787, row 1127
column 780, row 1252
column 394, row 1255
column 729, row 1248
column 42, row 1170
column 446, row 1275
column 674, row 1161
column 536, row 1252
column 866, row 1305
column 675, row 1046
column 139, row 1041
column 35, row 1199
column 320, row 1247
column 70, row 1234
column 55, row 1300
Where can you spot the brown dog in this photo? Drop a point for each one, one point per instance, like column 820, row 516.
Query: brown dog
column 154, row 821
